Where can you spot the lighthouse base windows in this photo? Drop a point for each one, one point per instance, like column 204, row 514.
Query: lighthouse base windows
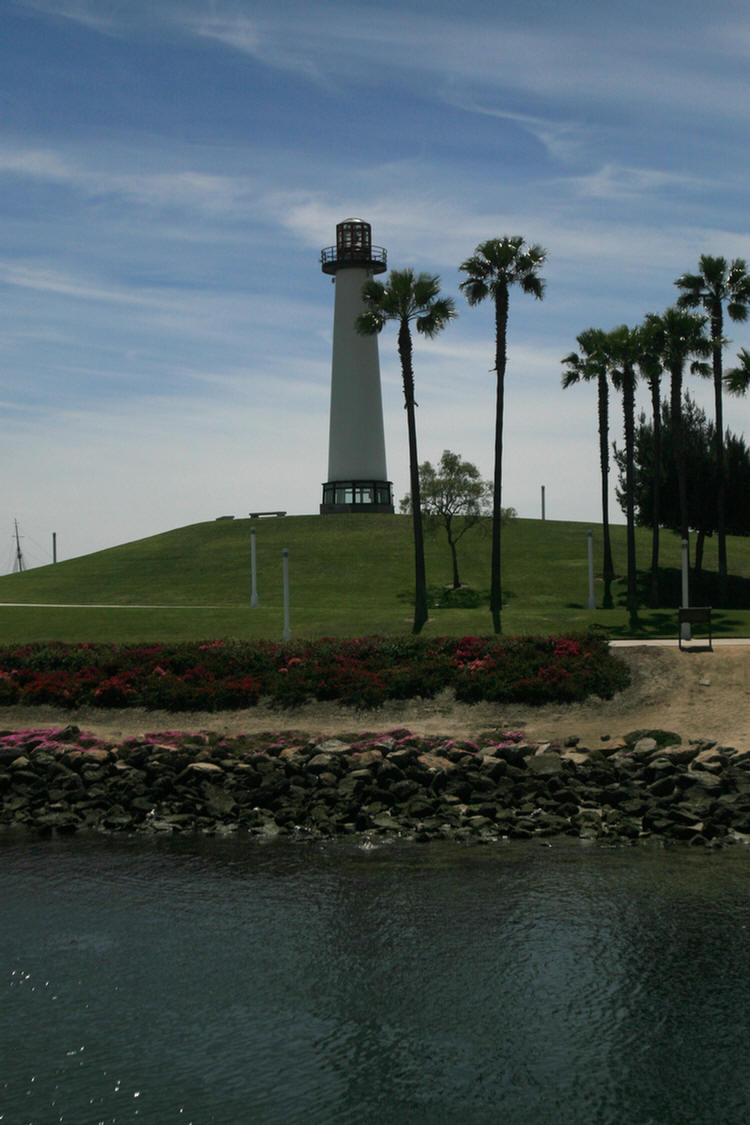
column 356, row 496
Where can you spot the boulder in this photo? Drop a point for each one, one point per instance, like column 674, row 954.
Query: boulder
column 544, row 765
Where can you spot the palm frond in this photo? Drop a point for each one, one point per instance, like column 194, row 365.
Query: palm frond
column 436, row 317
column 474, row 289
column 737, row 381
column 499, row 263
column 369, row 322
column 738, row 310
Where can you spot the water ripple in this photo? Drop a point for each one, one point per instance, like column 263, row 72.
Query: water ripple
column 214, row 981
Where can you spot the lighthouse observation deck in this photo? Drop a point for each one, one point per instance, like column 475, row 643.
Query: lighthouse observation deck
column 353, row 248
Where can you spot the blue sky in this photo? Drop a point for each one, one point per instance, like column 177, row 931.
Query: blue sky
column 170, row 171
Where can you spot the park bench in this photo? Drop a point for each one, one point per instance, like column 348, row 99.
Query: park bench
column 258, row 515
column 695, row 615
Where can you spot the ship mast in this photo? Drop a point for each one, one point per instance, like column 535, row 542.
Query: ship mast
column 18, row 563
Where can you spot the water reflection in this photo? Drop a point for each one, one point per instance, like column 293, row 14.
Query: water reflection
column 223, row 981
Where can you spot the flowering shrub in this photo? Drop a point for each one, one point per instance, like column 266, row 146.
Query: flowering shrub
column 362, row 672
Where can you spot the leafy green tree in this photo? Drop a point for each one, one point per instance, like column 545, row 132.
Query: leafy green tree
column 454, row 497
column 408, row 299
column 587, row 364
column 494, row 267
column 718, row 285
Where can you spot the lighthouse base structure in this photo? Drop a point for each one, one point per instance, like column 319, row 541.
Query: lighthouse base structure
column 357, row 496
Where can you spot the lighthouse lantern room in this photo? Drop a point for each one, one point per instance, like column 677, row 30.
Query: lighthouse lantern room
column 357, row 476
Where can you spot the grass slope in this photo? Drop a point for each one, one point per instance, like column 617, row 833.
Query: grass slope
column 349, row 575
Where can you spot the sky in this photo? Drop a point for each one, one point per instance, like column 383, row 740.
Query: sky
column 170, row 171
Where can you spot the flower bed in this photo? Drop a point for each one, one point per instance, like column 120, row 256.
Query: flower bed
column 363, row 672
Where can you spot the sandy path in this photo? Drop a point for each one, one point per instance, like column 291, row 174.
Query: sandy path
column 697, row 694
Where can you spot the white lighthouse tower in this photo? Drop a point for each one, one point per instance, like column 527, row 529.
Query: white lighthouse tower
column 357, row 476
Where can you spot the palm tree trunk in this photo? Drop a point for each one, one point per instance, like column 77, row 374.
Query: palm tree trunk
column 678, row 447
column 717, row 330
column 420, row 577
column 609, row 570
column 628, row 400
column 656, row 498
column 678, row 450
column 501, row 329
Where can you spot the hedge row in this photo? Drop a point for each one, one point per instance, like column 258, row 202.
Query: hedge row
column 363, row 672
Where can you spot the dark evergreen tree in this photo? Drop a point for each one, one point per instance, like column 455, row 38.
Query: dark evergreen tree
column 699, row 444
column 717, row 286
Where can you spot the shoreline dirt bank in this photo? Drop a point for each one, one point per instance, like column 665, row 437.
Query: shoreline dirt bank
column 425, row 770
column 698, row 695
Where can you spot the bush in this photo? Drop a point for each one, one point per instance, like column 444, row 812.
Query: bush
column 364, row 672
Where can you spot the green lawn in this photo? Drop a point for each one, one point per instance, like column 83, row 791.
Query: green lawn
column 349, row 575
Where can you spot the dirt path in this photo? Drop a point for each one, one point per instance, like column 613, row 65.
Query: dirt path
column 698, row 695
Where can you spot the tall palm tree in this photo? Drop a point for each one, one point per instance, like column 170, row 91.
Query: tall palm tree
column 678, row 335
column 718, row 284
column 590, row 363
column 624, row 350
column 493, row 268
column 406, row 299
column 650, row 367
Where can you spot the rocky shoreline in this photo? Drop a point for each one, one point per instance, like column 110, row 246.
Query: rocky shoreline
column 388, row 784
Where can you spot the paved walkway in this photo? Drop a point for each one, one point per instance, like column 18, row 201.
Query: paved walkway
column 666, row 642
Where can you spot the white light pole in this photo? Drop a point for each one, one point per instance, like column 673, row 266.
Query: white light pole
column 285, row 578
column 253, row 572
column 686, row 630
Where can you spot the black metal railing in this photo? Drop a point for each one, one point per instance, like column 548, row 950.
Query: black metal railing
column 333, row 255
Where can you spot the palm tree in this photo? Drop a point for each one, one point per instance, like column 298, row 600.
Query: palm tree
column 406, row 298
column 624, row 350
column 718, row 283
column 737, row 380
column 591, row 364
column 494, row 267
column 677, row 335
column 650, row 367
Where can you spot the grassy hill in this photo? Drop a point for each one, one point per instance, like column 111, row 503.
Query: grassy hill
column 349, row 575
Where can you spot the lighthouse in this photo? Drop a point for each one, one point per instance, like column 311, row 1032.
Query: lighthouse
column 357, row 476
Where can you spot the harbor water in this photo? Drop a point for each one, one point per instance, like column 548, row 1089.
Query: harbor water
column 193, row 980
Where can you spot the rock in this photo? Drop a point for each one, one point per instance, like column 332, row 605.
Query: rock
column 713, row 760
column 544, row 765
column 403, row 756
column 218, row 800
column 577, row 757
column 367, row 758
column 331, row 746
column 662, row 787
